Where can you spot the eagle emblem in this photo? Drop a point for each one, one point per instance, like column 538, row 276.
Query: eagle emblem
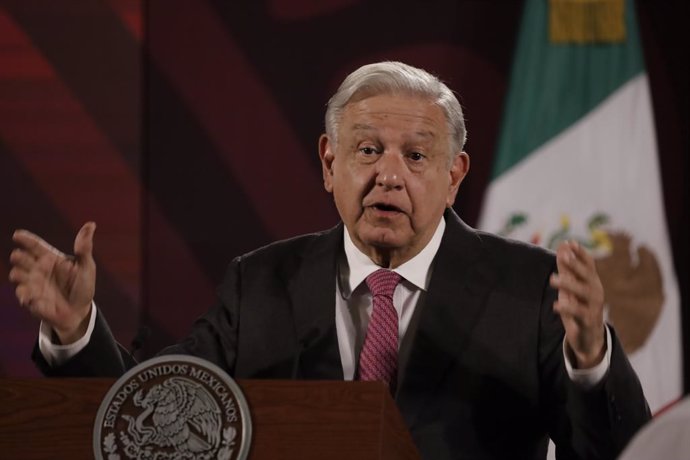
column 173, row 408
column 178, row 413
column 631, row 276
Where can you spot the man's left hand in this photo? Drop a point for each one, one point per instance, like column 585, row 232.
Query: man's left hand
column 580, row 304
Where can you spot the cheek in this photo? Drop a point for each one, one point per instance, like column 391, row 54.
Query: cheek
column 350, row 179
column 428, row 196
column 345, row 190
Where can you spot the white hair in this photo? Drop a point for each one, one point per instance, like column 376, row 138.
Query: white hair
column 390, row 77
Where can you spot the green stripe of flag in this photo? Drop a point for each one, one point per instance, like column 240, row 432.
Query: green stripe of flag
column 554, row 85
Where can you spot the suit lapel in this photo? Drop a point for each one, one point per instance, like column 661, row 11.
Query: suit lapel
column 446, row 317
column 312, row 295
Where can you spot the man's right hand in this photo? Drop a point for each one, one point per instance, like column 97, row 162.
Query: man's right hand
column 55, row 287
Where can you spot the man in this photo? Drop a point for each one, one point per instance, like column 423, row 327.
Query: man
column 488, row 351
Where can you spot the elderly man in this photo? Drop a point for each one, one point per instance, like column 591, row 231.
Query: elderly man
column 489, row 346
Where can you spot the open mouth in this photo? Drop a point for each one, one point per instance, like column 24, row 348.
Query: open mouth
column 386, row 207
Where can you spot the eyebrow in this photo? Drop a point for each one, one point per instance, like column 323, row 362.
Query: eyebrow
column 365, row 127
column 362, row 127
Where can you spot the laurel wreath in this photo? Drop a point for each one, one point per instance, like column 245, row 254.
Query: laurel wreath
column 227, row 446
column 110, row 447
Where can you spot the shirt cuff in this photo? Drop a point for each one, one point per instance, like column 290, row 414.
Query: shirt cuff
column 57, row 355
column 588, row 378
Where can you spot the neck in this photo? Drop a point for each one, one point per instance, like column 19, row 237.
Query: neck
column 389, row 257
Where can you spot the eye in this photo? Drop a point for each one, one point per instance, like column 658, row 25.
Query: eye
column 368, row 150
column 415, row 156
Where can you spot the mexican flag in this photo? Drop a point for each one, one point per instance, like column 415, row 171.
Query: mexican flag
column 577, row 159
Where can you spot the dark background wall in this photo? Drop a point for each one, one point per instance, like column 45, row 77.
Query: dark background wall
column 187, row 130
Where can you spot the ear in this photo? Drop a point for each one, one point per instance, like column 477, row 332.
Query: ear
column 458, row 171
column 327, row 156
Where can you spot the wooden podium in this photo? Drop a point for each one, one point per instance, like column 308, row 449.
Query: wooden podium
column 53, row 419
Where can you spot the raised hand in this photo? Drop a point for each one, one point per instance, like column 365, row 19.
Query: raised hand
column 55, row 287
column 580, row 304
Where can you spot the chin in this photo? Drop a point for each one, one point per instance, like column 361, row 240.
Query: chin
column 386, row 239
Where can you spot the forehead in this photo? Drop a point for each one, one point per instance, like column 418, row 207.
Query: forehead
column 412, row 115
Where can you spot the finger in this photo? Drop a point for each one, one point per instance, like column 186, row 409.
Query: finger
column 22, row 292
column 563, row 256
column 566, row 315
column 571, row 311
column 83, row 243
column 573, row 258
column 18, row 276
column 22, row 259
column 30, row 296
column 582, row 254
column 580, row 292
column 565, row 282
column 33, row 244
column 582, row 263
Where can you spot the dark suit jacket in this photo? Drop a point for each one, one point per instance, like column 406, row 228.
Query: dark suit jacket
column 482, row 372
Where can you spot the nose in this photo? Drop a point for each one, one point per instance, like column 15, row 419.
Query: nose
column 390, row 171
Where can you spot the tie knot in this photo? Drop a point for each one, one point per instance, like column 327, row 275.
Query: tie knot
column 383, row 282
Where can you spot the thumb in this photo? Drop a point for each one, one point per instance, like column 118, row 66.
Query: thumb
column 83, row 243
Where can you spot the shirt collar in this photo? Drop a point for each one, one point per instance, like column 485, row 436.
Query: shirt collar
column 416, row 270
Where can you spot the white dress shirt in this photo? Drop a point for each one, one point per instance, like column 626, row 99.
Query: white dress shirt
column 353, row 303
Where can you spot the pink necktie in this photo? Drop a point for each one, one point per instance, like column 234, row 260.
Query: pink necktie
column 379, row 357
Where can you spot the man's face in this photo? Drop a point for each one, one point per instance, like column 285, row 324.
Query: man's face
column 391, row 174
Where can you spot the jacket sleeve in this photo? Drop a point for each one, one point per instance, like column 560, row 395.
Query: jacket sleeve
column 213, row 337
column 593, row 423
column 101, row 357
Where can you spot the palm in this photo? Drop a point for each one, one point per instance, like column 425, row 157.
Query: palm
column 53, row 286
column 63, row 286
column 580, row 303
